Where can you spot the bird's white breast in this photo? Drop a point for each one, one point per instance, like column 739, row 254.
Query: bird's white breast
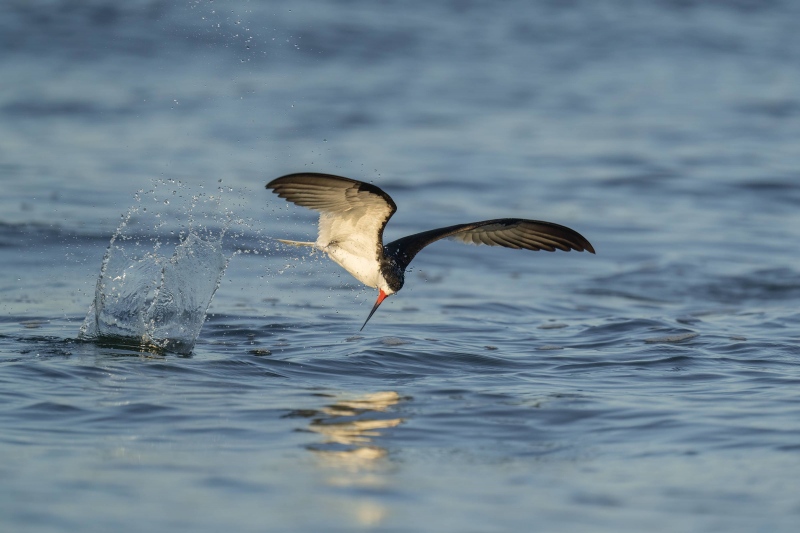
column 364, row 269
column 351, row 241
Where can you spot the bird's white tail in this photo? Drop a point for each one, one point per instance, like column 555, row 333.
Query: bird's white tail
column 296, row 243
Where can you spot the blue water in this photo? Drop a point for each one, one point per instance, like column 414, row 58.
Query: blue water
column 652, row 387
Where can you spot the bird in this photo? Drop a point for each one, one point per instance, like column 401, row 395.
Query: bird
column 353, row 215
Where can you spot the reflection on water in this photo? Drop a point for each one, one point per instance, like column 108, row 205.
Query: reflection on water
column 348, row 455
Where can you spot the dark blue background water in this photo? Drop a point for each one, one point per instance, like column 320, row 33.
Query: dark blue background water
column 653, row 386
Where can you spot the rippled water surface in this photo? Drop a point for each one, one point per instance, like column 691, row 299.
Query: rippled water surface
column 651, row 387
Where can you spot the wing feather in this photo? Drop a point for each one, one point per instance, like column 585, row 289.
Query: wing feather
column 348, row 208
column 515, row 233
column 352, row 217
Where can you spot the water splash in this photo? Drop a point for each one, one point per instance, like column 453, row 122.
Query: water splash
column 154, row 294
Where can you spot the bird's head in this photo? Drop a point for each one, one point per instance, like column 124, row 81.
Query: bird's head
column 392, row 276
column 392, row 279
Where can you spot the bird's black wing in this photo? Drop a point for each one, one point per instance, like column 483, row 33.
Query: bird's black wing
column 352, row 213
column 508, row 232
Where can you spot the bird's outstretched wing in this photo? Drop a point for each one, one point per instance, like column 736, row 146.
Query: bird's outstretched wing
column 352, row 213
column 508, row 232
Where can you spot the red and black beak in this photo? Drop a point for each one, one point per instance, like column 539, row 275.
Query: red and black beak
column 381, row 297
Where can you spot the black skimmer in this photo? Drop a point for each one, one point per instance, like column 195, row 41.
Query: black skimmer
column 353, row 215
